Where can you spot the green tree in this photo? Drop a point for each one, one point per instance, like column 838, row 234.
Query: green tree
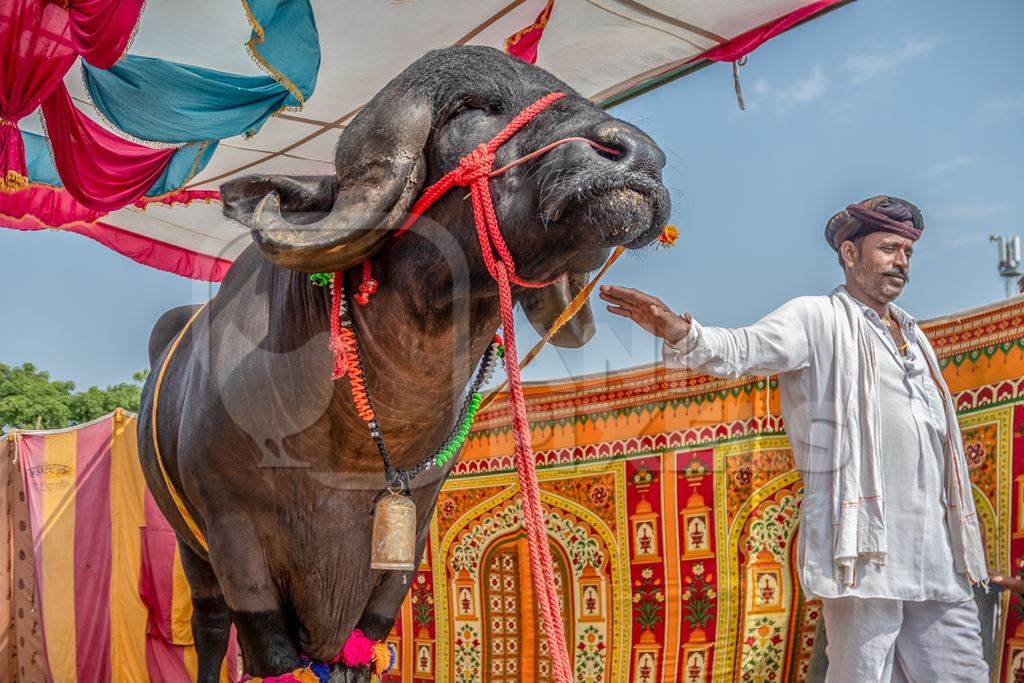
column 29, row 399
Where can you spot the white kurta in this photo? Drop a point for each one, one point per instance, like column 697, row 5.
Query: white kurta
column 913, row 430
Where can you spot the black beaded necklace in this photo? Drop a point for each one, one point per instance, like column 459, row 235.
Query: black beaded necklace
column 401, row 479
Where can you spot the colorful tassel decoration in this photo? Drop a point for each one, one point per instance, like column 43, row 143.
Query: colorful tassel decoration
column 384, row 657
column 669, row 235
column 321, row 279
column 357, row 651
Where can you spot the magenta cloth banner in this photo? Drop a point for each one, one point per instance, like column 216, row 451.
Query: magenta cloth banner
column 46, row 206
column 746, row 43
column 156, row 254
column 35, row 53
column 39, row 41
column 49, row 206
column 523, row 43
column 102, row 29
column 26, row 209
column 101, row 170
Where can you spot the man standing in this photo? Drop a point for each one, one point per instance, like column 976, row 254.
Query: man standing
column 889, row 538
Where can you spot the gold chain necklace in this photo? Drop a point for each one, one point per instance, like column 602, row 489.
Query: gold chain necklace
column 893, row 328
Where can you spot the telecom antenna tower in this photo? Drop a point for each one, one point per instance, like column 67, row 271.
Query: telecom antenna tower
column 1009, row 260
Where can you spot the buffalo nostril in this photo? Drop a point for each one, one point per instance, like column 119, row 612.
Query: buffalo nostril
column 631, row 147
column 617, row 145
column 608, row 152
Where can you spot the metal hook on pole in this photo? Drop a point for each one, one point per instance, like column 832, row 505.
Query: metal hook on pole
column 742, row 61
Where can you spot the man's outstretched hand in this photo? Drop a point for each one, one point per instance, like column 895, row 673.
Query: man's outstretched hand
column 1012, row 583
column 647, row 311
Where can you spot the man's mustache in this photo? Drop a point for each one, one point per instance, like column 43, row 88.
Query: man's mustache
column 898, row 272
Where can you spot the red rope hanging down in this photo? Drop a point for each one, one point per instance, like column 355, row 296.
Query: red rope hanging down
column 475, row 170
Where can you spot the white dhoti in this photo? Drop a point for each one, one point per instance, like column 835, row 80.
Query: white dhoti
column 879, row 640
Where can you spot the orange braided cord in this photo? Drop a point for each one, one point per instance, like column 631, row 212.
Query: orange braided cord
column 355, row 375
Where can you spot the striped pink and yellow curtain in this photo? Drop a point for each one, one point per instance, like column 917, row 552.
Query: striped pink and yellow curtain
column 111, row 598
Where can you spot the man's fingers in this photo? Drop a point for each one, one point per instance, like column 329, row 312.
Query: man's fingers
column 615, row 290
column 611, row 298
column 645, row 310
column 1012, row 583
column 628, row 294
column 631, row 298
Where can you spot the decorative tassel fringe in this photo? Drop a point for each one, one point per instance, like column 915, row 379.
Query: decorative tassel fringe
column 368, row 287
column 358, row 651
column 669, row 235
column 12, row 181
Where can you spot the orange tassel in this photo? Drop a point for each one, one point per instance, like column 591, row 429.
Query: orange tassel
column 383, row 658
column 669, row 235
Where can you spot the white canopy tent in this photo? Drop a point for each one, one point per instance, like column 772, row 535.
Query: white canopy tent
column 608, row 50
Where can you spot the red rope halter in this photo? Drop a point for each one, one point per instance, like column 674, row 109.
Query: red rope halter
column 475, row 171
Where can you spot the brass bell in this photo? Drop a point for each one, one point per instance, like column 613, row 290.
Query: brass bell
column 393, row 542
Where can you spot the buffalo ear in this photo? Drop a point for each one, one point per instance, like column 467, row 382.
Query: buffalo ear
column 543, row 306
column 331, row 225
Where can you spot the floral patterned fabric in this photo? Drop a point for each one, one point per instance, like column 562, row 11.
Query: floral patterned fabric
column 673, row 510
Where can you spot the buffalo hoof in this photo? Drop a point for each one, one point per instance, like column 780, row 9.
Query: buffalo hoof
column 346, row 674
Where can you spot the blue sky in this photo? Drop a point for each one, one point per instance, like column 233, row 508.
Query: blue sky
column 923, row 99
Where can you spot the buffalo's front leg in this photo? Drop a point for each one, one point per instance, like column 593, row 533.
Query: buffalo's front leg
column 349, row 675
column 211, row 621
column 266, row 648
column 381, row 611
column 264, row 629
column 385, row 601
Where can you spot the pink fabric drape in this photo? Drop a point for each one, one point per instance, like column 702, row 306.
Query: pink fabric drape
column 746, row 42
column 25, row 211
column 99, row 169
column 523, row 43
column 35, row 52
column 39, row 41
column 45, row 206
column 102, row 29
column 52, row 206
column 145, row 250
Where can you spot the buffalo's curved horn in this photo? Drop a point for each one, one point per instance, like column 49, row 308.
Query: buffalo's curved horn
column 381, row 167
column 309, row 195
column 543, row 306
column 355, row 227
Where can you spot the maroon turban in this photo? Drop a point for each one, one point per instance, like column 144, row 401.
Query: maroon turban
column 890, row 214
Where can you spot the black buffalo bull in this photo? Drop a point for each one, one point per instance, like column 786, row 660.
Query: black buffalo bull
column 268, row 452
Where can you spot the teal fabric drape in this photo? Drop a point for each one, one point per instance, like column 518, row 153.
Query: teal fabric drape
column 164, row 101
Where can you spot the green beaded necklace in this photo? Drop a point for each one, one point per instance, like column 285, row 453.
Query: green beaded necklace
column 467, row 413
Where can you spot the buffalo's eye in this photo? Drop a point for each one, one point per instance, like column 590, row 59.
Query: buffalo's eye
column 468, row 105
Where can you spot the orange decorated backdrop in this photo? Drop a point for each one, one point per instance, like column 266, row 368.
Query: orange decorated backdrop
column 671, row 506
column 672, row 509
